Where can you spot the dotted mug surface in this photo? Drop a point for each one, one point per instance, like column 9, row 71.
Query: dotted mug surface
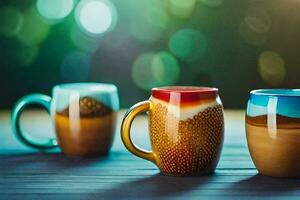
column 186, row 126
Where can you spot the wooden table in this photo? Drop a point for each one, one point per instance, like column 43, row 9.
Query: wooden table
column 28, row 174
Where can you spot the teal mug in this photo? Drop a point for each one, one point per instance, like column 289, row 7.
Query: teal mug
column 83, row 114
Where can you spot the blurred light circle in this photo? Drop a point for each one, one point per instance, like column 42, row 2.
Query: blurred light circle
column 96, row 17
column 165, row 68
column 251, row 37
column 75, row 67
column 142, row 71
column 150, row 28
column 155, row 69
column 188, row 44
column 11, row 20
column 54, row 9
column 34, row 31
column 212, row 3
column 82, row 41
column 182, row 8
column 258, row 19
column 26, row 55
column 271, row 68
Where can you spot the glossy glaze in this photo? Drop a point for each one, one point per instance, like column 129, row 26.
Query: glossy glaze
column 273, row 131
column 186, row 130
column 84, row 116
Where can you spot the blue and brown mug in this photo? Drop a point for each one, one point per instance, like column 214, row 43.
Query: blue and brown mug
column 83, row 114
column 273, row 131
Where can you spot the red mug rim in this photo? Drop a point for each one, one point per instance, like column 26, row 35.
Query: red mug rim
column 187, row 93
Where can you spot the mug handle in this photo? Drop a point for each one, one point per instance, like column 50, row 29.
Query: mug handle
column 24, row 137
column 125, row 131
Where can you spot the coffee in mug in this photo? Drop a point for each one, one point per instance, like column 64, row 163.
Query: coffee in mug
column 186, row 126
column 84, row 116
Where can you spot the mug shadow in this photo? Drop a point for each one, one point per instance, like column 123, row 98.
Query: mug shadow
column 157, row 185
column 264, row 186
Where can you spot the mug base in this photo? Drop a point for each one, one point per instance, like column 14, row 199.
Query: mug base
column 86, row 155
column 204, row 173
column 287, row 176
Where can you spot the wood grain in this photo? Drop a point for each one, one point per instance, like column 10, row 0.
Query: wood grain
column 28, row 174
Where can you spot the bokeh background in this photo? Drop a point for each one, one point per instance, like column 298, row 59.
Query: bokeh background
column 235, row 45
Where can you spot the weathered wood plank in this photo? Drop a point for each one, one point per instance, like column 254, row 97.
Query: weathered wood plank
column 28, row 174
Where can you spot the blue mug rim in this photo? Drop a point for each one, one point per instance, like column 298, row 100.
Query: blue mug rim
column 276, row 92
column 86, row 86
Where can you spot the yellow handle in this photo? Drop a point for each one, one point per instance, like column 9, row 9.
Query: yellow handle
column 125, row 131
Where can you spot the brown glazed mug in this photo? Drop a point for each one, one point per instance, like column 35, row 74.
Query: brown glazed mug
column 186, row 129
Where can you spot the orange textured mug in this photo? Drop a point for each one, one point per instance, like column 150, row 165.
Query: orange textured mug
column 186, row 129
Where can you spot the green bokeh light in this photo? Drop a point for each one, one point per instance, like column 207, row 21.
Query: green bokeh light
column 271, row 68
column 26, row 55
column 251, row 37
column 96, row 17
column 34, row 31
column 82, row 41
column 212, row 3
column 155, row 69
column 182, row 8
column 54, row 10
column 11, row 20
column 150, row 28
column 188, row 44
column 258, row 19
column 165, row 68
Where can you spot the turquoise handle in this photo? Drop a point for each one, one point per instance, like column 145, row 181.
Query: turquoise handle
column 24, row 137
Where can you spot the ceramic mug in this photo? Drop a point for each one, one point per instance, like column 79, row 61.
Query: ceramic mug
column 83, row 114
column 273, row 131
column 186, row 126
